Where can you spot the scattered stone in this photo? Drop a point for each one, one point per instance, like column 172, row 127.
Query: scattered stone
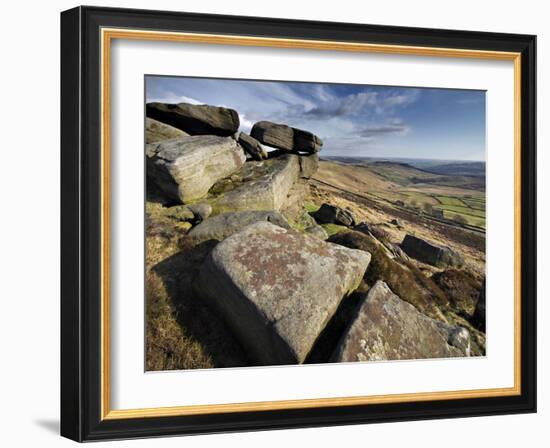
column 155, row 131
column 331, row 214
column 196, row 119
column 388, row 328
column 399, row 203
column 284, row 137
column 221, row 226
column 252, row 146
column 180, row 212
column 185, row 168
column 277, row 288
column 201, row 211
column 395, row 222
column 431, row 253
column 258, row 186
column 363, row 227
column 309, row 165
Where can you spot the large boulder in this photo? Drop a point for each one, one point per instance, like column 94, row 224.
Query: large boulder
column 196, row 119
column 388, row 328
column 155, row 131
column 331, row 214
column 257, row 186
column 185, row 168
column 252, row 146
column 223, row 225
column 308, row 165
column 285, row 137
column 277, row 288
column 431, row 253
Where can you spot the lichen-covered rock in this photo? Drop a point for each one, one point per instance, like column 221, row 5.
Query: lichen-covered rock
column 155, row 131
column 431, row 253
column 185, row 168
column 330, row 214
column 308, row 165
column 223, row 225
column 257, row 186
column 196, row 119
column 252, row 146
column 388, row 328
column 201, row 211
column 285, row 137
column 277, row 288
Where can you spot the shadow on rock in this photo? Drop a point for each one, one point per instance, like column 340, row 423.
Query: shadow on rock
column 195, row 317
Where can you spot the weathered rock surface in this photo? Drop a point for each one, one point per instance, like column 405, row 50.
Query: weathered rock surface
column 155, row 131
column 388, row 328
column 257, row 186
column 201, row 211
column 461, row 288
column 285, row 137
column 277, row 288
column 223, row 225
column 195, row 119
column 431, row 253
column 309, row 165
column 252, row 146
column 185, row 168
column 330, row 214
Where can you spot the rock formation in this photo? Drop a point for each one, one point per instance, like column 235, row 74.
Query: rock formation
column 196, row 119
column 185, row 168
column 155, row 131
column 285, row 137
column 388, row 328
column 252, row 146
column 431, row 253
column 277, row 289
column 330, row 214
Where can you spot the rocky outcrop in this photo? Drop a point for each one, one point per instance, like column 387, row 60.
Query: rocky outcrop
column 285, row 137
column 252, row 146
column 185, row 168
column 330, row 214
column 155, row 131
column 257, row 186
column 431, row 253
column 461, row 288
column 277, row 288
column 308, row 165
column 221, row 226
column 388, row 328
column 195, row 119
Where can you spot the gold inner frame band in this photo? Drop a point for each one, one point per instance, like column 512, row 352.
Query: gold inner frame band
column 107, row 35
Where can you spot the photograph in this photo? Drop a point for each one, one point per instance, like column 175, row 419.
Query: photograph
column 291, row 222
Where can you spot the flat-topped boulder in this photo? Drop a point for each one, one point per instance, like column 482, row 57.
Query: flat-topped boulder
column 256, row 186
column 285, row 137
column 331, row 214
column 431, row 253
column 252, row 146
column 277, row 288
column 155, row 131
column 223, row 225
column 388, row 328
column 196, row 119
column 185, row 168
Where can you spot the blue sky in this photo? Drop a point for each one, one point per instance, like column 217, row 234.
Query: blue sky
column 352, row 120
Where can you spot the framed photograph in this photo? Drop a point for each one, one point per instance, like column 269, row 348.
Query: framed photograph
column 275, row 224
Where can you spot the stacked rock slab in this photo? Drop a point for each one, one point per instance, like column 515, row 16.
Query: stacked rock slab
column 155, row 131
column 195, row 119
column 223, row 225
column 260, row 186
column 252, row 146
column 388, row 328
column 285, row 137
column 277, row 288
column 185, row 168
column 431, row 253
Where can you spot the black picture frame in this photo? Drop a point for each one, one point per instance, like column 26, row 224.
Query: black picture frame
column 81, row 224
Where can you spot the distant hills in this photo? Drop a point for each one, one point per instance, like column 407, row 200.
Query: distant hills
column 443, row 167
